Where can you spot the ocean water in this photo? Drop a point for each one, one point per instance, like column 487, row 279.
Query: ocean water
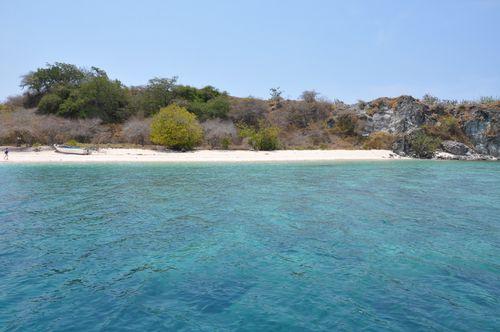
column 347, row 246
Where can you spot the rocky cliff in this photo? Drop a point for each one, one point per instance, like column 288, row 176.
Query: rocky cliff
column 443, row 130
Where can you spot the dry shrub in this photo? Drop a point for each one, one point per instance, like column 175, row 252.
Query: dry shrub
column 137, row 131
column 15, row 102
column 220, row 133
column 317, row 134
column 377, row 105
column 294, row 139
column 27, row 127
column 495, row 105
column 394, row 102
column 345, row 142
column 309, row 96
column 83, row 130
column 379, row 140
column 248, row 111
column 301, row 114
column 279, row 118
column 361, row 104
column 382, row 104
column 313, row 137
column 103, row 136
column 24, row 126
column 345, row 124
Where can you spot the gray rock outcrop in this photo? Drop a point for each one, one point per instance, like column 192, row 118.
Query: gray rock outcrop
column 456, row 148
column 453, row 150
column 478, row 125
column 482, row 127
column 395, row 116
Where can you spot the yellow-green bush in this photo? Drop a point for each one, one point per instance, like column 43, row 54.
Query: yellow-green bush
column 72, row 142
column 379, row 140
column 265, row 138
column 175, row 128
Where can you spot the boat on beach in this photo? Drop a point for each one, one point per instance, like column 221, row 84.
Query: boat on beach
column 67, row 149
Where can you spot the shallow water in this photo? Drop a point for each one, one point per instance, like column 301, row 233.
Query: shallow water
column 400, row 245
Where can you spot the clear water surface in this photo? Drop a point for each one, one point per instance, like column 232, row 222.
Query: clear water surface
column 400, row 245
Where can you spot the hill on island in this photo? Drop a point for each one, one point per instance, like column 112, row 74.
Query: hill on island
column 62, row 102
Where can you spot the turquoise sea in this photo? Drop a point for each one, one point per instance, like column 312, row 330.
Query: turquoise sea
column 346, row 246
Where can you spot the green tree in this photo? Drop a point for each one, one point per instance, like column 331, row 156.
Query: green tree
column 423, row 145
column 98, row 97
column 176, row 128
column 54, row 76
column 186, row 92
column 43, row 80
column 157, row 94
column 217, row 107
column 50, row 103
column 209, row 92
column 69, row 91
column 192, row 94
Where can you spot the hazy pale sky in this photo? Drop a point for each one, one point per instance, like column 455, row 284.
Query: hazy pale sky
column 343, row 49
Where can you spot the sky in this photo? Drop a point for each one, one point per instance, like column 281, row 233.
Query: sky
column 347, row 50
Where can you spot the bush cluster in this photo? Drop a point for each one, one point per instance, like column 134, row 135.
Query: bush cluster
column 423, row 144
column 265, row 138
column 176, row 128
column 69, row 91
column 447, row 128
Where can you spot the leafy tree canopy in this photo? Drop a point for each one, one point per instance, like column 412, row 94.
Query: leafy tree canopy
column 70, row 91
column 43, row 80
column 98, row 97
column 192, row 94
column 158, row 93
column 161, row 92
column 217, row 107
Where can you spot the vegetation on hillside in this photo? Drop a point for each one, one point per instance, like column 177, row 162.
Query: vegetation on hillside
column 63, row 102
column 77, row 93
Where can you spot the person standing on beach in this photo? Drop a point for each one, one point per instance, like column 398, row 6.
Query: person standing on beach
column 6, row 154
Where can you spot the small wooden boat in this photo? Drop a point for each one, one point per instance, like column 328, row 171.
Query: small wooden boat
column 71, row 149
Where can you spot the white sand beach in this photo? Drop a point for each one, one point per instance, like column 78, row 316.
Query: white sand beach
column 143, row 155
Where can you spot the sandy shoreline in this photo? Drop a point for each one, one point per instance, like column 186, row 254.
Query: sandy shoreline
column 143, row 155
